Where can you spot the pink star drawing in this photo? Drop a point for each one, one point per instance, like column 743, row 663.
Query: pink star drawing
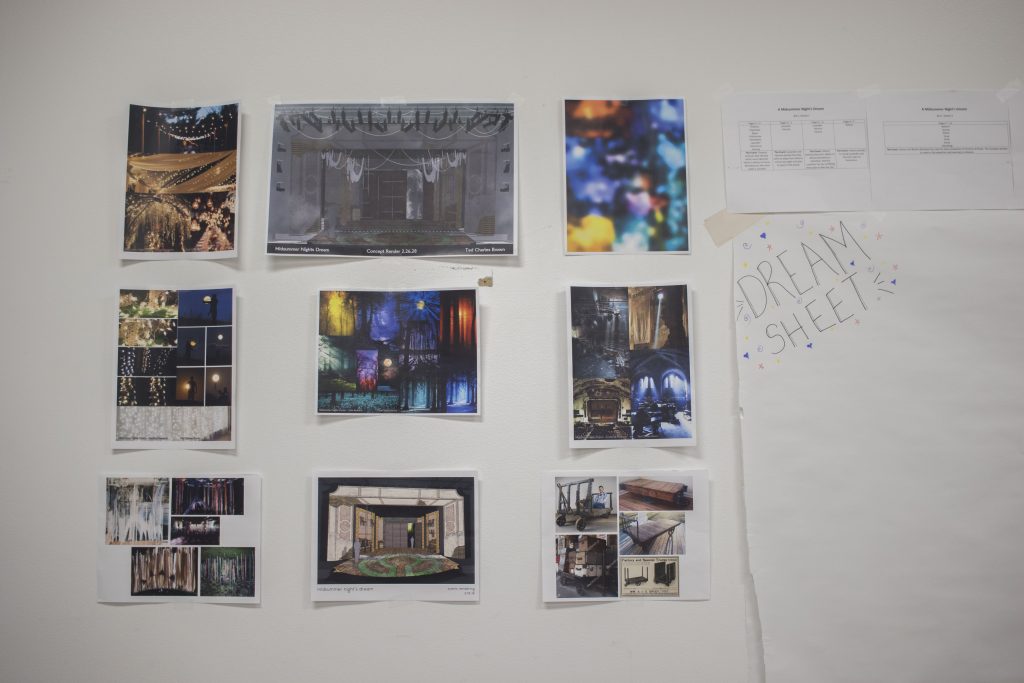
column 856, row 321
column 831, row 228
column 760, row 366
column 769, row 247
column 878, row 235
column 895, row 266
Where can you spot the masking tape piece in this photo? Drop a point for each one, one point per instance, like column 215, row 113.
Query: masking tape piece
column 724, row 226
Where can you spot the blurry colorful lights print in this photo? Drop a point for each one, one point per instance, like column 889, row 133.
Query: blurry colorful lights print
column 398, row 352
column 181, row 182
column 625, row 176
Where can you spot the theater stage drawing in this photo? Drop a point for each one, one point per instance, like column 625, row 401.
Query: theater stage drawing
column 417, row 179
column 409, row 531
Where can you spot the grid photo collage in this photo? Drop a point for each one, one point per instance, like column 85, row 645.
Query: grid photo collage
column 620, row 536
column 630, row 366
column 174, row 365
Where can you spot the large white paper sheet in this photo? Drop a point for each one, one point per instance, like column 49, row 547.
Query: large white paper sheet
column 787, row 152
column 883, row 456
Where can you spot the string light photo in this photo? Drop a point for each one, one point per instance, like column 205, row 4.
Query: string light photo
column 174, row 368
column 180, row 192
column 169, row 538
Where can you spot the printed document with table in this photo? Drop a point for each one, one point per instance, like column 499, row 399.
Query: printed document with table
column 798, row 152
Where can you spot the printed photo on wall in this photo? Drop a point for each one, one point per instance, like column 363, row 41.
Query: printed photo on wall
column 180, row 193
column 587, row 566
column 137, row 510
column 413, row 352
column 380, row 180
column 631, row 366
column 652, row 533
column 166, row 538
column 395, row 537
column 625, row 177
column 649, row 577
column 625, row 535
column 216, row 496
column 175, row 360
column 586, row 504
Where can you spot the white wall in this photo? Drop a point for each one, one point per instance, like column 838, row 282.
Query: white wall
column 67, row 74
